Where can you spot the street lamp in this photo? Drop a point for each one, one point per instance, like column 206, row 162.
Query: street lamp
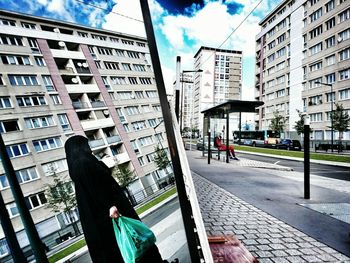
column 331, row 115
column 182, row 91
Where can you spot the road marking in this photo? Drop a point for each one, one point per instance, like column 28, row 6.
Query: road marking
column 277, row 162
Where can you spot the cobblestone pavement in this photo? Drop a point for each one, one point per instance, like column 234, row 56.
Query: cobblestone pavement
column 267, row 238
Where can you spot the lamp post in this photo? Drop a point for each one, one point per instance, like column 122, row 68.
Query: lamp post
column 182, row 91
column 331, row 115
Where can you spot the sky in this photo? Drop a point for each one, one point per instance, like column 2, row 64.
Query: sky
column 181, row 26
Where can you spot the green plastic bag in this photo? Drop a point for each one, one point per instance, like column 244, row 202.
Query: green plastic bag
column 133, row 238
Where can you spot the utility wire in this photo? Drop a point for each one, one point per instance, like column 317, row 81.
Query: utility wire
column 104, row 9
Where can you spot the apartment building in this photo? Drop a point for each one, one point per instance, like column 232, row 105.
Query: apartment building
column 303, row 44
column 186, row 101
column 59, row 79
column 219, row 81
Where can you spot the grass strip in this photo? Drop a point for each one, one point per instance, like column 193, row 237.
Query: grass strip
column 315, row 156
column 67, row 251
column 155, row 201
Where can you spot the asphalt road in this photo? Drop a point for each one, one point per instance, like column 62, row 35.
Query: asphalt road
column 324, row 170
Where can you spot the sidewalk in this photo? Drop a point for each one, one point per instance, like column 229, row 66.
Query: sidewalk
column 269, row 239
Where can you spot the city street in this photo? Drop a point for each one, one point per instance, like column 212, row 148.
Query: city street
column 330, row 171
column 166, row 223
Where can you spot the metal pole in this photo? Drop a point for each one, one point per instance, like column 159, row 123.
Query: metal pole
column 209, row 150
column 227, row 137
column 185, row 205
column 331, row 116
column 15, row 249
column 177, row 89
column 307, row 157
column 29, row 226
column 181, row 100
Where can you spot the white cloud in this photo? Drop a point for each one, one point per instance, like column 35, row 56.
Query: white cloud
column 58, row 6
column 120, row 23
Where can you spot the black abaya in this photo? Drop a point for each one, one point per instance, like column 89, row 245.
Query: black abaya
column 96, row 192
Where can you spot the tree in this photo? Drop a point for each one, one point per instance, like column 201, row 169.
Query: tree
column 277, row 123
column 299, row 125
column 161, row 159
column 341, row 121
column 61, row 198
column 124, row 175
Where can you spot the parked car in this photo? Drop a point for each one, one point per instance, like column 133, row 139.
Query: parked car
column 289, row 144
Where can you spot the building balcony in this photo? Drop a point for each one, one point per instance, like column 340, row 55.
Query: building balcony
column 57, row 53
column 97, row 124
column 114, row 139
column 82, row 88
column 96, row 143
column 80, row 105
column 98, row 104
column 122, row 158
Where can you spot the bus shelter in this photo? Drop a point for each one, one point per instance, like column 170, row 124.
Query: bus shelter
column 222, row 111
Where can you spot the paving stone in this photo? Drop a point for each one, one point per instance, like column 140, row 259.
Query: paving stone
column 326, row 257
column 277, row 246
column 250, row 242
column 265, row 260
column 293, row 252
column 305, row 245
column 263, row 241
column 307, row 251
column 279, row 253
column 280, row 260
column 264, row 247
column 264, row 254
column 296, row 259
column 289, row 240
column 311, row 259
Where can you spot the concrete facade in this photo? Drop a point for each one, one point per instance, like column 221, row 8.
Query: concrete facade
column 59, row 79
column 301, row 43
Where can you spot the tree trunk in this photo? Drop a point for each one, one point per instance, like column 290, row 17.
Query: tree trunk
column 74, row 224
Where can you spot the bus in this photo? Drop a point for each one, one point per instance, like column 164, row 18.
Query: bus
column 262, row 138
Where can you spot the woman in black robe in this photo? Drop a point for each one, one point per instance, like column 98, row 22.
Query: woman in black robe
column 97, row 195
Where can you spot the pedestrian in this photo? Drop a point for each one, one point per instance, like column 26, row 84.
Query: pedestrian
column 99, row 198
column 222, row 147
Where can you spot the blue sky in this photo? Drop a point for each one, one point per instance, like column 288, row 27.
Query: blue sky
column 181, row 27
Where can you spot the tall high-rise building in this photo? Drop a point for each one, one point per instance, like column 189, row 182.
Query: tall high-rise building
column 219, row 81
column 59, row 79
column 303, row 44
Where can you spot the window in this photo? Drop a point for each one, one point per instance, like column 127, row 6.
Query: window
column 111, row 65
column 344, row 54
column 330, row 78
column 47, row 144
column 152, row 94
column 281, row 38
column 315, row 32
column 271, row 45
column 316, row 49
column 28, row 25
column 312, row 2
column 120, row 53
column 132, row 110
column 315, row 100
column 28, row 101
column 330, row 60
column 4, row 183
column 345, row 15
column 26, row 175
column 330, row 23
column 40, row 61
column 144, row 141
column 11, row 40
column 146, row 108
column 133, row 54
column 7, row 22
column 313, row 83
column 48, row 83
column 39, row 122
column 280, row 79
column 83, row 34
column 56, row 99
column 270, row 70
column 330, row 42
column 344, row 35
column 99, row 37
column 18, row 80
column 126, row 66
column 135, row 146
column 12, row 209
column 114, row 39
column 316, row 66
column 133, row 80
column 157, row 108
column 270, row 83
column 9, row 126
column 33, row 44
column 5, row 102
column 271, row 58
column 124, row 95
column 344, row 74
column 280, row 93
column 127, row 42
column 139, row 94
column 280, row 66
column 1, row 81
column 105, row 81
column 36, row 200
column 330, row 97
column 138, row 67
column 152, row 122
column 316, row 117
column 141, row 44
column 141, row 161
column 58, row 166
column 146, row 81
column 121, row 115
column 105, row 51
column 63, row 119
column 98, row 64
column 139, row 125
column 344, row 94
column 17, row 150
column 118, row 80
column 330, row 6
column 126, row 127
column 15, row 60
column 316, row 15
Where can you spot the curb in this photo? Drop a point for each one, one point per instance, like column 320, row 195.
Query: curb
column 153, row 208
column 297, row 159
